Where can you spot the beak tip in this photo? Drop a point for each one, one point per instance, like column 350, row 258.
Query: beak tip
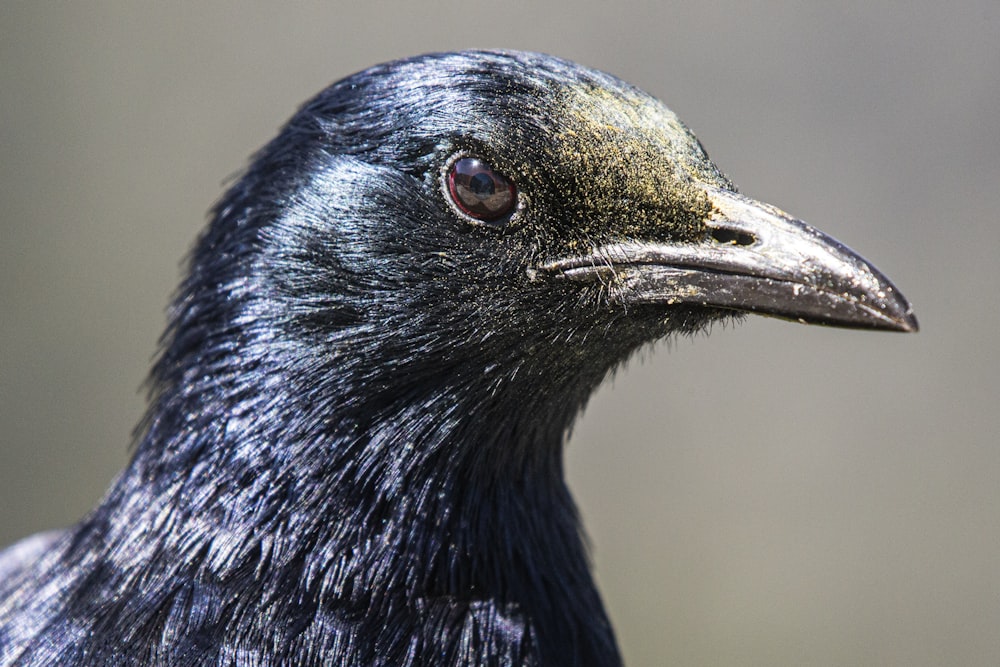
column 908, row 323
column 898, row 315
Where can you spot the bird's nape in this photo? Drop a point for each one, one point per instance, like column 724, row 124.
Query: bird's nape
column 353, row 450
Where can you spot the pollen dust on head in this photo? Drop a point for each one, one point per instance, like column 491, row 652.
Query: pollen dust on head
column 634, row 165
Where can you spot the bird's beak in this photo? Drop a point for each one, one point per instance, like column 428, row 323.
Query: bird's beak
column 753, row 258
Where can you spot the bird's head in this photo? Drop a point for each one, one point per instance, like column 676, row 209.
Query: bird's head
column 467, row 219
column 353, row 451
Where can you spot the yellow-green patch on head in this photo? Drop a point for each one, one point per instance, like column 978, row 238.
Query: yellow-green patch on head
column 636, row 165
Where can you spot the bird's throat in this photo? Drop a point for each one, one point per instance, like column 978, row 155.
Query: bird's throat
column 397, row 514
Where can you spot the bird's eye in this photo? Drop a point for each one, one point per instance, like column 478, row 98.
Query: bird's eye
column 479, row 191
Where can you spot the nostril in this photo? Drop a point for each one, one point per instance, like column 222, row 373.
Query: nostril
column 733, row 236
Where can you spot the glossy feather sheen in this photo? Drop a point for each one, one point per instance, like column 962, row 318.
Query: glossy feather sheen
column 353, row 451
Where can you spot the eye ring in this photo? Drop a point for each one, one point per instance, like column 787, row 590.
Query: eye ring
column 478, row 192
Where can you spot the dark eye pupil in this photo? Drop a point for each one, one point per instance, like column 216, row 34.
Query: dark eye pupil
column 479, row 191
column 481, row 186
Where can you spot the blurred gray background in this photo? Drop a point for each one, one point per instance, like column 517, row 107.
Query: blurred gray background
column 773, row 494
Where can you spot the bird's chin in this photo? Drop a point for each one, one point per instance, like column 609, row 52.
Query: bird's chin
column 670, row 320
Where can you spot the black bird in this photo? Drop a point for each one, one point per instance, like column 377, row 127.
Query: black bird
column 353, row 450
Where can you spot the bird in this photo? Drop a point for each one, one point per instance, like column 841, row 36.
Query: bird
column 353, row 450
